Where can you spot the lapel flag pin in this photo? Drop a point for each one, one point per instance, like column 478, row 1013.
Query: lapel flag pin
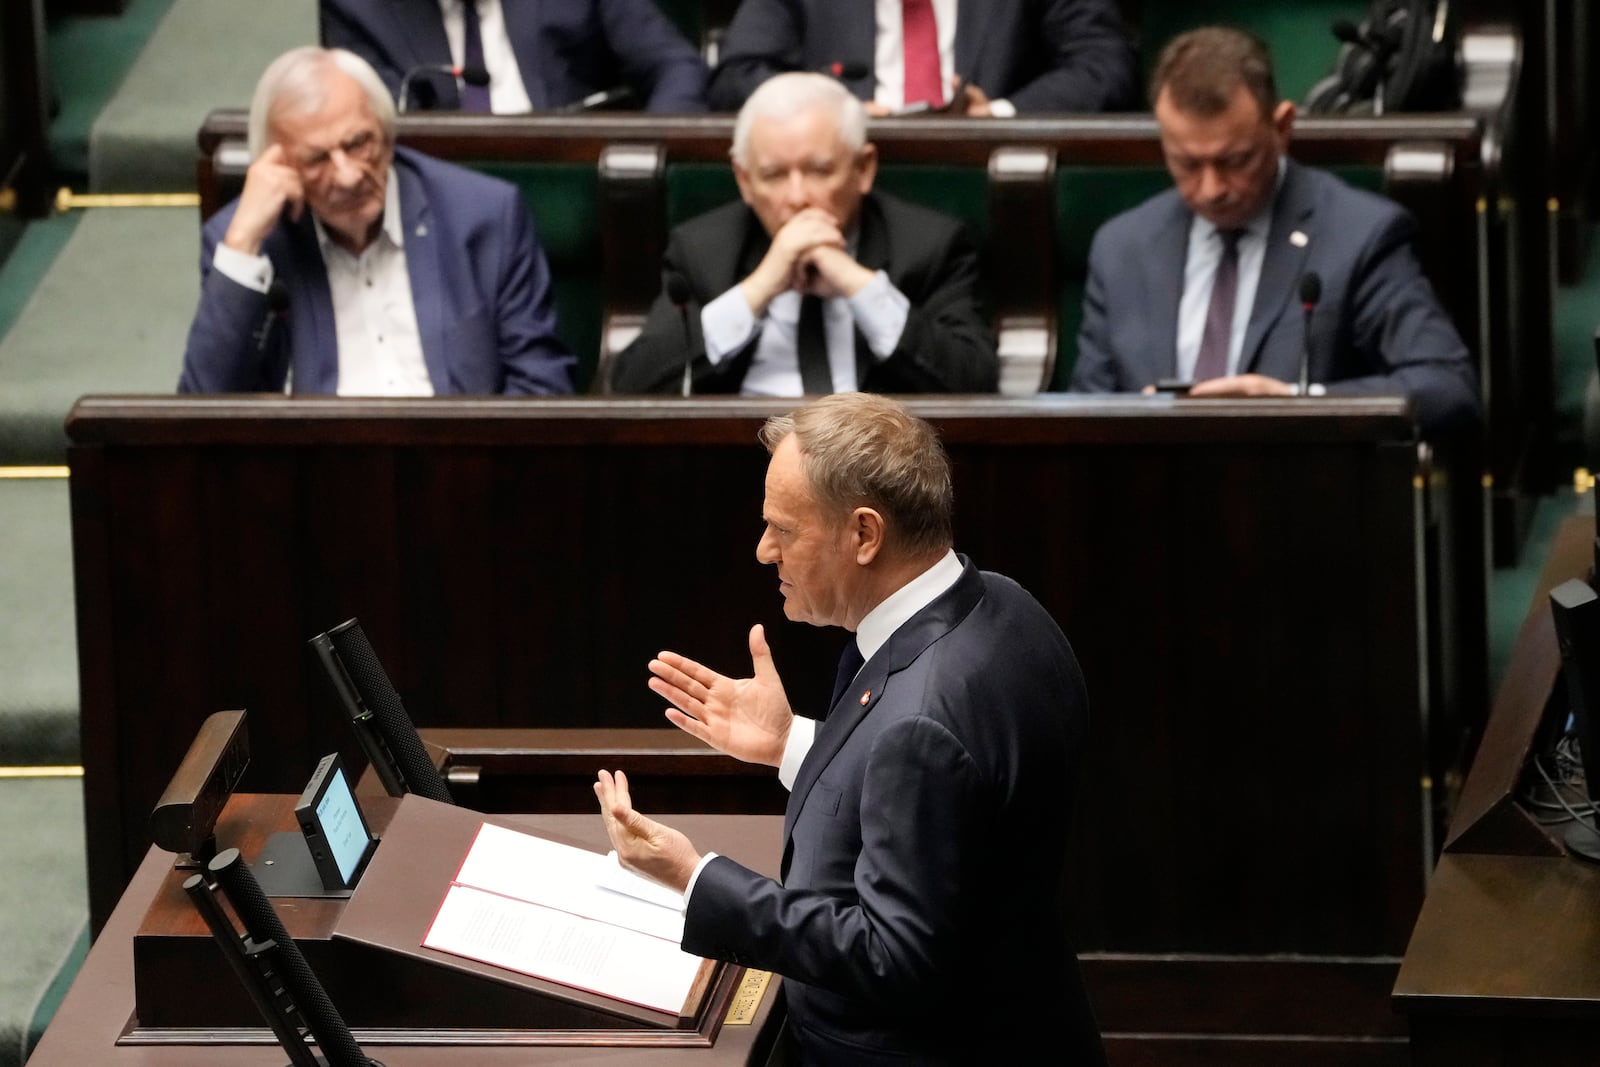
column 1299, row 239
column 866, row 696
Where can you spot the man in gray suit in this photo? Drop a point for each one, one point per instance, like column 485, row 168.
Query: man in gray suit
column 1202, row 283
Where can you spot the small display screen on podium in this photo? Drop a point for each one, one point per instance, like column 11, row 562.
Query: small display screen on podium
column 335, row 830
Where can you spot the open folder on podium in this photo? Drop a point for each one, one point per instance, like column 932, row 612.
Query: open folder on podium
column 463, row 891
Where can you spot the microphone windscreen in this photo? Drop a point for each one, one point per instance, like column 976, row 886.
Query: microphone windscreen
column 1347, row 31
column 1310, row 287
column 277, row 297
column 846, row 70
column 475, row 76
column 678, row 290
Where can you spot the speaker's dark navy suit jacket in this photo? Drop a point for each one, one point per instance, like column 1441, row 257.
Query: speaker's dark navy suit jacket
column 1378, row 328
column 479, row 284
column 565, row 49
column 920, row 913
column 1042, row 55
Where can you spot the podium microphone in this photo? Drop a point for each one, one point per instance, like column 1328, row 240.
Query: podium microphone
column 1310, row 293
column 678, row 291
column 474, row 75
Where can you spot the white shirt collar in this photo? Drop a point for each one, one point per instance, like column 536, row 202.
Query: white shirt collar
column 879, row 624
column 392, row 226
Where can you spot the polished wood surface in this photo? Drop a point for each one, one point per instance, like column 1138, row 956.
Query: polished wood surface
column 1503, row 967
column 190, row 1009
column 1247, row 596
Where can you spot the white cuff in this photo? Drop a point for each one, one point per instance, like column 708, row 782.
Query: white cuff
column 880, row 312
column 1314, row 389
column 252, row 272
column 727, row 325
column 1002, row 109
column 695, row 877
column 802, row 732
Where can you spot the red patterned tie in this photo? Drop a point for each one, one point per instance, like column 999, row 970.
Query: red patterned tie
column 923, row 80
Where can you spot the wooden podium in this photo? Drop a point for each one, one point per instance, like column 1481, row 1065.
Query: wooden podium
column 155, row 989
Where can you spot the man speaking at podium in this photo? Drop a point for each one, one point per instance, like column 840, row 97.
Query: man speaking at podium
column 919, row 917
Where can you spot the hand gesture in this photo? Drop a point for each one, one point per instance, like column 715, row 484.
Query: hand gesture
column 643, row 845
column 270, row 185
column 748, row 718
column 784, row 266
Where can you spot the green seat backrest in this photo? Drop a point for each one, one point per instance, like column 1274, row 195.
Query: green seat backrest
column 1298, row 34
column 562, row 197
column 1088, row 196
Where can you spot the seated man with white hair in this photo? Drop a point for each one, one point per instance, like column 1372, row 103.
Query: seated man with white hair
column 349, row 265
column 814, row 283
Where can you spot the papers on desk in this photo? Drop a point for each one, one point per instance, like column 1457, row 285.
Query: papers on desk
column 566, row 914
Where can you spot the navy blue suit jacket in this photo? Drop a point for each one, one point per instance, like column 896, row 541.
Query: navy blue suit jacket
column 920, row 912
column 479, row 284
column 1042, row 55
column 1378, row 327
column 565, row 49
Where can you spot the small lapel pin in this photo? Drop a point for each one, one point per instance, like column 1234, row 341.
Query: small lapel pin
column 866, row 696
column 1299, row 239
column 422, row 231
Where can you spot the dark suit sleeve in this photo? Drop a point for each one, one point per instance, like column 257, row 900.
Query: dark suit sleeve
column 535, row 361
column 946, row 345
column 1089, row 60
column 222, row 354
column 342, row 29
column 1396, row 317
column 764, row 38
column 654, row 55
column 895, row 944
column 1095, row 370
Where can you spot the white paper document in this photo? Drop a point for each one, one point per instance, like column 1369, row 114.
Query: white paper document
column 558, row 912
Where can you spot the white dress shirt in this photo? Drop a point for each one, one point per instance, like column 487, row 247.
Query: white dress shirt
column 1200, row 272
column 507, row 94
column 374, row 319
column 879, row 310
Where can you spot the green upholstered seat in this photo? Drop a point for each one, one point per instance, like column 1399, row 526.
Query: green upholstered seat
column 1298, row 34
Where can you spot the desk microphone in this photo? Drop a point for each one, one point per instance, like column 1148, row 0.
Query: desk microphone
column 678, row 291
column 277, row 307
column 1310, row 293
column 845, row 70
column 474, row 75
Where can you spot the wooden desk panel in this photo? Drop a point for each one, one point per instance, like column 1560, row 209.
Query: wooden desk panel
column 98, row 1022
column 1246, row 594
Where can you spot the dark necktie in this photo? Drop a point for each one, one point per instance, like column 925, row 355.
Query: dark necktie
column 473, row 97
column 1213, row 359
column 920, row 48
column 816, row 377
column 850, row 661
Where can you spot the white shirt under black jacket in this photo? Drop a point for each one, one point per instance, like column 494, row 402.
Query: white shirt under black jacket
column 374, row 319
column 879, row 310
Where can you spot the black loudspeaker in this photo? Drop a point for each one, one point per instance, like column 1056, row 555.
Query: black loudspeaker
column 386, row 732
